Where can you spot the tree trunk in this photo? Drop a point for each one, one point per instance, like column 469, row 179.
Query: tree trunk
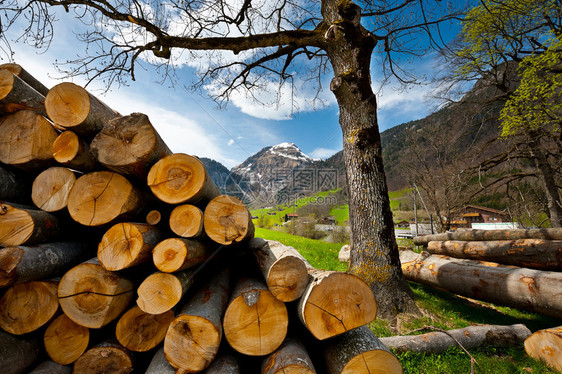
column 14, row 186
column 127, row 244
column 521, row 288
column 105, row 358
column 92, row 296
column 65, row 341
column 193, row 338
column 21, row 73
column 283, row 268
column 227, row 220
column 129, row 145
column 255, row 322
column 290, row 358
column 468, row 337
column 187, row 221
column 175, row 254
column 51, row 188
column 160, row 292
column 488, row 235
column 374, row 254
column 20, row 225
column 180, row 178
column 334, row 303
column 74, row 108
column 139, row 331
column 359, row 351
column 546, row 345
column 26, row 140
column 18, row 354
column 16, row 95
column 50, row 367
column 74, row 152
column 22, row 264
column 25, row 307
column 531, row 253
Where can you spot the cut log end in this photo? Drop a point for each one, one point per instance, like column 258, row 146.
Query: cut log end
column 6, row 83
column 287, row 279
column 51, row 188
column 153, row 217
column 66, row 147
column 16, row 225
column 374, row 361
column 67, row 104
column 159, row 293
column 546, row 345
column 10, row 257
column 176, row 254
column 186, row 221
column 65, row 341
column 140, row 332
column 100, row 360
column 227, row 220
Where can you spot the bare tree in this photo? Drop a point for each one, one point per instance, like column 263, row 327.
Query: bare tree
column 263, row 44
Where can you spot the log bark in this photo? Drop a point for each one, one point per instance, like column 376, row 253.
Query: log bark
column 73, row 108
column 26, row 263
column 18, row 354
column 74, row 152
column 101, row 197
column 187, row 221
column 521, row 288
column 290, row 358
column 283, row 268
column 129, row 145
column 359, row 351
column 107, row 357
column 223, row 364
column 21, row 225
column 334, row 303
column 485, row 235
column 65, row 341
column 127, row 244
column 227, row 220
column 139, row 331
column 175, row 254
column 179, row 178
column 26, row 140
column 25, row 307
column 255, row 322
column 14, row 186
column 21, row 73
column 469, row 337
column 160, row 292
column 51, row 188
column 193, row 338
column 531, row 253
column 50, row 367
column 16, row 95
column 546, row 345
column 160, row 365
column 92, row 296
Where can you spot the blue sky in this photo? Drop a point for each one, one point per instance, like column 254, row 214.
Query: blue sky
column 192, row 123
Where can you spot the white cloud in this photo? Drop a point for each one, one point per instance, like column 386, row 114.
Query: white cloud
column 323, row 153
column 230, row 142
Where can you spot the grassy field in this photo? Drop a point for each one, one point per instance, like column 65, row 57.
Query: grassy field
column 442, row 310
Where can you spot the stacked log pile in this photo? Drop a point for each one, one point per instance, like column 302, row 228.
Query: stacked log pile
column 118, row 255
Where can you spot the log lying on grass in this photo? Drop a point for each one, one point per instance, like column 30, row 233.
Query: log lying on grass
column 51, row 188
column 24, row 75
column 359, row 351
column 175, row 254
column 72, row 151
column 521, row 288
column 107, row 357
column 227, row 220
column 18, row 354
column 65, row 340
column 532, row 253
column 334, row 303
column 16, row 95
column 187, row 221
column 139, row 331
column 283, row 268
column 468, row 337
column 291, row 357
column 484, row 235
column 546, row 345
column 160, row 292
column 21, row 225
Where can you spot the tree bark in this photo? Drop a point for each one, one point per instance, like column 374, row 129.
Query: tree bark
column 21, row 73
column 290, row 358
column 107, row 357
column 51, row 188
column 223, row 364
column 255, row 322
column 127, row 244
column 283, row 268
column 92, row 296
column 160, row 292
column 521, row 288
column 139, row 331
column 25, row 307
column 22, row 263
column 21, row 225
column 334, row 303
column 193, row 338
column 175, row 254
column 16, row 95
column 160, row 365
column 179, row 178
column 468, row 337
column 14, row 186
column 18, row 354
column 374, row 254
column 546, row 345
column 74, row 152
column 50, row 367
column 359, row 351
column 187, row 221
column 531, row 253
column 73, row 108
column 65, row 341
column 129, row 145
column 26, row 140
column 227, row 220
column 488, row 235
